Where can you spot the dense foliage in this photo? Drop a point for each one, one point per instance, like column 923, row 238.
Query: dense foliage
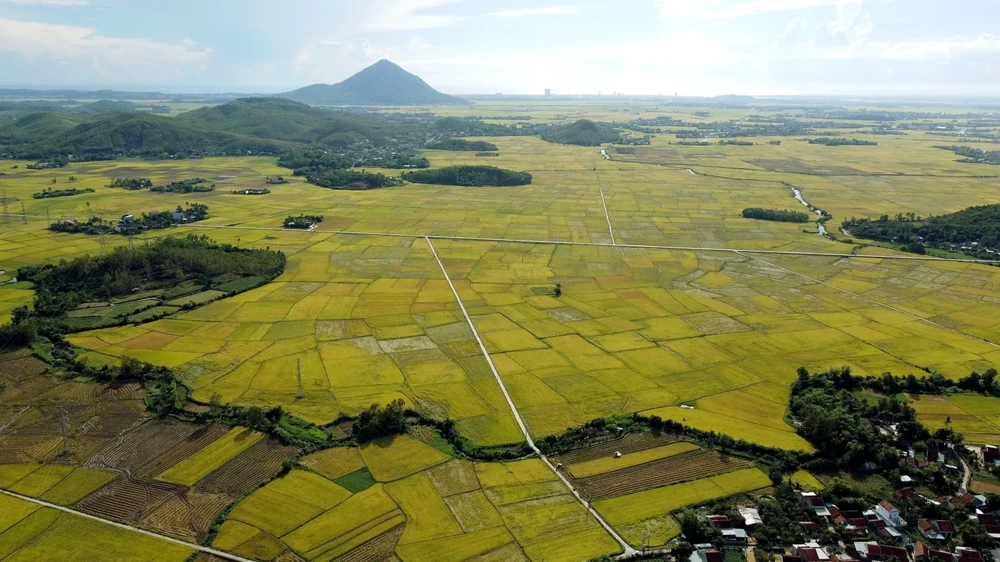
column 346, row 179
column 478, row 176
column 775, row 215
column 975, row 155
column 380, row 421
column 464, row 145
column 130, row 133
column 304, row 222
column 190, row 185
column 132, row 184
column 47, row 193
column 848, row 431
column 153, row 220
column 165, row 262
column 975, row 227
column 582, row 133
column 831, row 141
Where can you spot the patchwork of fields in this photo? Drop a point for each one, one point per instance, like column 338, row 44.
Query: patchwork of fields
column 604, row 287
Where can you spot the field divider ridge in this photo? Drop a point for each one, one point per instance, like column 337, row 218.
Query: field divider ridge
column 626, row 549
column 192, row 546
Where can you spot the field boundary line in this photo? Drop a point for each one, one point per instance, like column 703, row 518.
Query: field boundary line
column 598, row 244
column 626, row 549
column 571, row 243
column 611, row 231
column 873, row 301
column 64, row 509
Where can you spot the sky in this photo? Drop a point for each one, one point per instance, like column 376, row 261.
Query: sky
column 689, row 47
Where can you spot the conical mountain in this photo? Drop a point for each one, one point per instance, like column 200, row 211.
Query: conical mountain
column 383, row 83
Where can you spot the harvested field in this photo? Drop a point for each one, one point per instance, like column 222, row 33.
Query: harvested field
column 376, row 550
column 982, row 487
column 186, row 516
column 129, row 500
column 201, row 438
column 628, row 460
column 243, row 473
column 630, row 443
column 143, row 445
column 20, row 368
column 212, row 457
column 671, row 470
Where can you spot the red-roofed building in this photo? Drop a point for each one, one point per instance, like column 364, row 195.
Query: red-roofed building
column 719, row 521
column 936, row 530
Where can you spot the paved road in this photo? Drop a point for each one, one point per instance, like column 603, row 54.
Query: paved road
column 627, row 550
column 199, row 548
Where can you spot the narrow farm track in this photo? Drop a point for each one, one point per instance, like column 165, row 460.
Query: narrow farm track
column 569, row 243
column 626, row 549
column 593, row 244
column 199, row 548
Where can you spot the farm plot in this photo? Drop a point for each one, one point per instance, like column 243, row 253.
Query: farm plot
column 682, row 467
column 631, row 514
column 650, row 330
column 424, row 506
column 976, row 417
column 29, row 532
column 363, row 320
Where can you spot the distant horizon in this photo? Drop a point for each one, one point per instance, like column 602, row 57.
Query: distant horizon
column 478, row 47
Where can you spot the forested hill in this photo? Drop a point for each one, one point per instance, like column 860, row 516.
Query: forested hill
column 281, row 119
column 583, row 133
column 975, row 227
column 383, row 83
column 130, row 133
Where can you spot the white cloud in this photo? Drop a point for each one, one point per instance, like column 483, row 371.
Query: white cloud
column 545, row 11
column 115, row 59
column 716, row 9
column 396, row 15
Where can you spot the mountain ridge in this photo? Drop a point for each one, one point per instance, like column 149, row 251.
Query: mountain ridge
column 383, row 83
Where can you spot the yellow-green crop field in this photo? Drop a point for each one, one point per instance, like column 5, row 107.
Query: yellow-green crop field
column 29, row 532
column 423, row 505
column 670, row 304
column 976, row 417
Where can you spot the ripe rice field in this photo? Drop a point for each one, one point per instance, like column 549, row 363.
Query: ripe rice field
column 705, row 330
column 423, row 506
column 976, row 417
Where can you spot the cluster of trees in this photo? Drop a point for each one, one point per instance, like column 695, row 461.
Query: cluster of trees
column 153, row 220
column 163, row 263
column 935, row 383
column 775, row 215
column 132, row 184
column 47, row 193
column 735, row 143
column 487, row 154
column 477, row 176
column 849, row 431
column 975, row 155
column 304, row 222
column 380, row 421
column 464, row 145
column 831, row 141
column 977, row 227
column 190, row 185
column 693, row 143
column 54, row 162
column 349, row 179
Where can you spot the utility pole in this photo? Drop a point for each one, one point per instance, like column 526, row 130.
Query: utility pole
column 24, row 215
column 145, row 238
column 47, row 218
column 299, row 375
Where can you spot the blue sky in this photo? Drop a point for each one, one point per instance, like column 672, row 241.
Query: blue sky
column 694, row 47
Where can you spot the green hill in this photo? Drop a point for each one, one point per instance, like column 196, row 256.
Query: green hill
column 583, row 133
column 130, row 133
column 383, row 83
column 281, row 119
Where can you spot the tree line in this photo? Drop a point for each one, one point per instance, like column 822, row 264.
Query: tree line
column 477, row 176
column 775, row 215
